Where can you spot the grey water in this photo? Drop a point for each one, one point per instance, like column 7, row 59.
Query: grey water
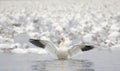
column 93, row 60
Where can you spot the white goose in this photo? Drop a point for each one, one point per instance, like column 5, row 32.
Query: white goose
column 18, row 50
column 62, row 52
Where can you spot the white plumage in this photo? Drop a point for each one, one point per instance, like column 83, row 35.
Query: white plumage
column 62, row 51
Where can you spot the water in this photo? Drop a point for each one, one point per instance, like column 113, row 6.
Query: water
column 63, row 65
column 89, row 61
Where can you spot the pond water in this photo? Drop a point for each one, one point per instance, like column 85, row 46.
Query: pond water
column 93, row 60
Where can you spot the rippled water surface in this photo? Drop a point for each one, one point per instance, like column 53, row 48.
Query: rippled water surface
column 88, row 61
column 63, row 65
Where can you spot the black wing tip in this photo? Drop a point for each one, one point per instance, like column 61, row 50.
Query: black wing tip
column 33, row 40
column 37, row 42
column 87, row 47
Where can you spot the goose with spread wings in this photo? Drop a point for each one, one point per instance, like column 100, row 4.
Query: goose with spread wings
column 61, row 52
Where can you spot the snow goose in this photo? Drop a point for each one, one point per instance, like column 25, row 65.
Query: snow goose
column 6, row 48
column 63, row 52
column 18, row 50
column 34, row 50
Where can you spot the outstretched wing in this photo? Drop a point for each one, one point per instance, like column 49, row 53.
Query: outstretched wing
column 49, row 46
column 80, row 47
column 37, row 43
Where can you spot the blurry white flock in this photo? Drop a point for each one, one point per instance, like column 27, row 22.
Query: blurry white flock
column 82, row 21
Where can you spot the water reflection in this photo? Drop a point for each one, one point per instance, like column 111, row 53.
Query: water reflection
column 62, row 65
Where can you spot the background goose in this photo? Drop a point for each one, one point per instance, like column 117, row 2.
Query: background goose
column 6, row 48
column 17, row 49
column 34, row 50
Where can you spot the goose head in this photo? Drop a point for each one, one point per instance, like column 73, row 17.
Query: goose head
column 62, row 42
column 26, row 46
column 16, row 45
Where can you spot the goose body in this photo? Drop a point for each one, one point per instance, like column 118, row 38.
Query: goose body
column 6, row 48
column 19, row 51
column 62, row 53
